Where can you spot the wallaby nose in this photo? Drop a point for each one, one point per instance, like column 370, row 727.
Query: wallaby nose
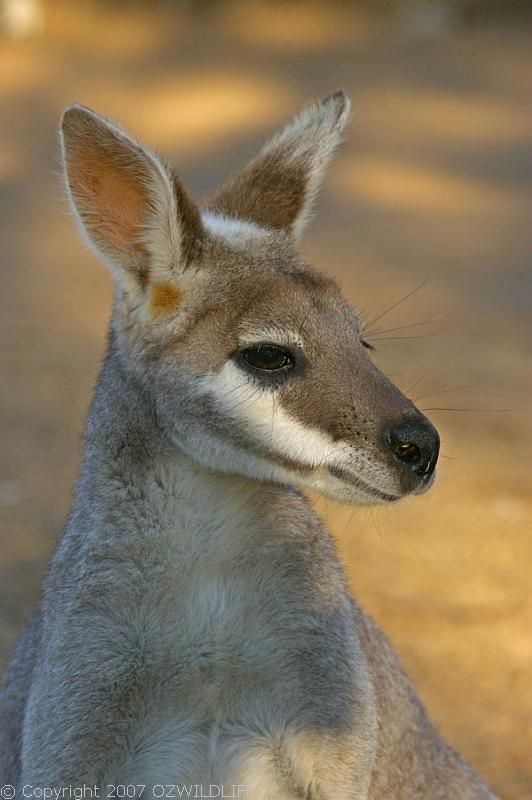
column 416, row 444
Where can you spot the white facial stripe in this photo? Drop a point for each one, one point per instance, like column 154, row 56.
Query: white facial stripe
column 239, row 396
column 258, row 408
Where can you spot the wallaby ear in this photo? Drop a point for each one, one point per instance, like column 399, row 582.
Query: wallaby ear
column 278, row 187
column 131, row 207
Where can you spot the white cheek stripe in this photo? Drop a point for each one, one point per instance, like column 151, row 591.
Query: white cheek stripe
column 259, row 410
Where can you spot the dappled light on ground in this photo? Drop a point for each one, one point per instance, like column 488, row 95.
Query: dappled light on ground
column 439, row 114
column 424, row 189
column 187, row 112
column 295, row 27
column 78, row 28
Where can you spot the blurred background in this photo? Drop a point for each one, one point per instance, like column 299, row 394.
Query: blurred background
column 429, row 197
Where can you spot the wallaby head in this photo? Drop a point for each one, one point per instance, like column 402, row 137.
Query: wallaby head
column 253, row 362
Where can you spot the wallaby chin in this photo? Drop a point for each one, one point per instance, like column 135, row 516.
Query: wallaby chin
column 195, row 627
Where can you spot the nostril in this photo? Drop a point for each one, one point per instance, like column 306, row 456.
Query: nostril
column 408, row 452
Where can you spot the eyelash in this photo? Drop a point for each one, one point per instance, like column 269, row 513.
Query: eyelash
column 251, row 356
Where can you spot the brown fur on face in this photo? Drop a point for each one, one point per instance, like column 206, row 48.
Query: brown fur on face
column 335, row 390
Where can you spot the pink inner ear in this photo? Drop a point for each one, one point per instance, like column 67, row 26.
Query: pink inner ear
column 132, row 207
column 111, row 195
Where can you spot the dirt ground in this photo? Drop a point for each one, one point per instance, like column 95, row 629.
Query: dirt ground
column 432, row 184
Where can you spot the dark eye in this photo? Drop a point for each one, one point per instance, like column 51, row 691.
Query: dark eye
column 367, row 345
column 267, row 357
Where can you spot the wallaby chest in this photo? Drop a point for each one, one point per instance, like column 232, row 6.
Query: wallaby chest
column 243, row 658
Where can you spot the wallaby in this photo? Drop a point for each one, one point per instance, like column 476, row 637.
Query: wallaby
column 195, row 628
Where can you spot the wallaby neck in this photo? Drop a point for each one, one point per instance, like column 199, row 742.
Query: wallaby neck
column 137, row 480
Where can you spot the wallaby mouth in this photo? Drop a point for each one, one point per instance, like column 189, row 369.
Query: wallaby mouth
column 346, row 476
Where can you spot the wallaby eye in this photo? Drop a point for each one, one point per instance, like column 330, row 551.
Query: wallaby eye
column 367, row 345
column 267, row 357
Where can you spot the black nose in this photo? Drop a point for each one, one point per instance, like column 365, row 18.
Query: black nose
column 416, row 444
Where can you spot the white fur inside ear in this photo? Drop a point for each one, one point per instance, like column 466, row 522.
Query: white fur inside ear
column 236, row 232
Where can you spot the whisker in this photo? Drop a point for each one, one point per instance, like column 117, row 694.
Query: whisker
column 391, row 307
column 246, row 399
column 416, row 383
column 301, row 327
column 333, row 452
column 417, row 336
column 410, row 325
column 274, row 409
column 350, row 519
column 236, row 388
column 470, row 410
column 444, row 391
